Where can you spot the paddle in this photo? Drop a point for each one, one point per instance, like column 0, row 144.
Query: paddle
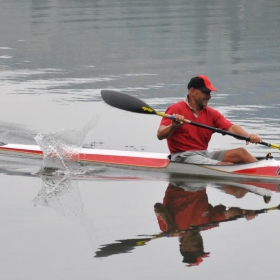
column 127, row 245
column 200, row 227
column 132, row 104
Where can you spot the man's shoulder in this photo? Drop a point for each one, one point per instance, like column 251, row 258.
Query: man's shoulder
column 181, row 103
column 211, row 110
column 218, row 118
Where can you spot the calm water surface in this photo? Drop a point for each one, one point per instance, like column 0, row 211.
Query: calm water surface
column 93, row 223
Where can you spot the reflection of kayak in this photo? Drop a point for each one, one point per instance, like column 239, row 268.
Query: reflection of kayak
column 263, row 189
column 256, row 187
column 266, row 169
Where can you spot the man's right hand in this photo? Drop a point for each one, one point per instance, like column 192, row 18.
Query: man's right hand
column 178, row 120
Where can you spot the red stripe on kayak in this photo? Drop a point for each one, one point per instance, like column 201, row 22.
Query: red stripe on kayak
column 264, row 171
column 33, row 152
column 113, row 159
column 125, row 160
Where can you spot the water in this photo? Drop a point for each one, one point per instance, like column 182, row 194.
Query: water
column 55, row 57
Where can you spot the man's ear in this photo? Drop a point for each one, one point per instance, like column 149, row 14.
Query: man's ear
column 191, row 91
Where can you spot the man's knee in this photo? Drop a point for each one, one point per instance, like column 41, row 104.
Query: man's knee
column 245, row 156
column 242, row 152
column 237, row 155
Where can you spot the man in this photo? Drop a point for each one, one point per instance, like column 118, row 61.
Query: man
column 188, row 143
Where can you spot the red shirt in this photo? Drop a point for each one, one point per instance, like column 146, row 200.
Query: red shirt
column 189, row 137
column 190, row 208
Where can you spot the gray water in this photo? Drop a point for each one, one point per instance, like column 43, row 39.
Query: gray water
column 55, row 57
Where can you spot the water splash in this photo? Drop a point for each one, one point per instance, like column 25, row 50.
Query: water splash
column 62, row 194
column 61, row 151
column 60, row 148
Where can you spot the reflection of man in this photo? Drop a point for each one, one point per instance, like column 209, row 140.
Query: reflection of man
column 239, row 190
column 235, row 191
column 191, row 248
column 184, row 209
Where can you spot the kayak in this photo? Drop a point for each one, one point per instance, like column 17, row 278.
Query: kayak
column 265, row 169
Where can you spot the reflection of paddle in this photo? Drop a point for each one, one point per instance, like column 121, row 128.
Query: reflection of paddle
column 127, row 245
column 203, row 226
column 135, row 105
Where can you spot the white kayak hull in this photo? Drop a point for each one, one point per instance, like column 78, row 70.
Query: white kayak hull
column 267, row 169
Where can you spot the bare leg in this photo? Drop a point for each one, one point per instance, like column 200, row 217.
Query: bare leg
column 239, row 155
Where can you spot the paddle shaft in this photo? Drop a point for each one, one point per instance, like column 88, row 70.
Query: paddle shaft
column 238, row 136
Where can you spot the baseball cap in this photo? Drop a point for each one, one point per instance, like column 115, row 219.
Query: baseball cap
column 201, row 82
column 194, row 258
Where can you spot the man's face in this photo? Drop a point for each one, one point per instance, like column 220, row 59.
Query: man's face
column 202, row 98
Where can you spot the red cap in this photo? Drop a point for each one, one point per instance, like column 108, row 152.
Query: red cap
column 199, row 260
column 194, row 258
column 201, row 82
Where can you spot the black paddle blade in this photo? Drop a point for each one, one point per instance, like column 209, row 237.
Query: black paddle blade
column 126, row 102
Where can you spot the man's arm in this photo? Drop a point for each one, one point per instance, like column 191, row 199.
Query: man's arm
column 166, row 131
column 239, row 130
column 238, row 212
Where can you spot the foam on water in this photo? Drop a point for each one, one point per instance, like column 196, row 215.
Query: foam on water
column 59, row 191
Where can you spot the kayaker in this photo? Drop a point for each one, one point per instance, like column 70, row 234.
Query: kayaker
column 188, row 143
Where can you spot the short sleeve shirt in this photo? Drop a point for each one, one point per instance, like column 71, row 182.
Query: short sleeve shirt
column 190, row 208
column 189, row 137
